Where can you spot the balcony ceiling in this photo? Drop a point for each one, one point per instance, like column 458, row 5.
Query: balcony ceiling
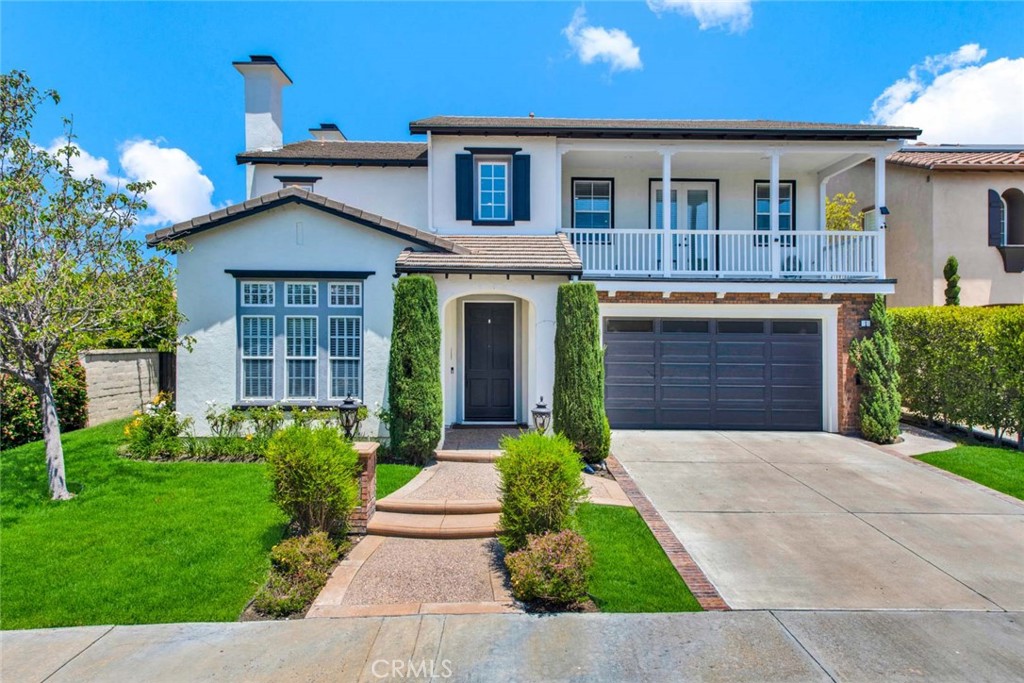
column 712, row 164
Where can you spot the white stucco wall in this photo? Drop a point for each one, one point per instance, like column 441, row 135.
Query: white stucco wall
column 286, row 238
column 398, row 193
column 543, row 203
column 535, row 329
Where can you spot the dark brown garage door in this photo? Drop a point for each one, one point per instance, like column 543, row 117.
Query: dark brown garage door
column 687, row 373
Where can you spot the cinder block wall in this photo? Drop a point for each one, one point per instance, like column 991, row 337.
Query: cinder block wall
column 119, row 381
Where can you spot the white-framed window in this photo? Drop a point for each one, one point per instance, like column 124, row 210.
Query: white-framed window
column 300, row 294
column 592, row 204
column 345, row 294
column 492, row 189
column 345, row 353
column 257, row 293
column 300, row 356
column 763, row 205
column 257, row 357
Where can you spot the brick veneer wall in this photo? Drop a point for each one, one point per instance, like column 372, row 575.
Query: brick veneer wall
column 360, row 517
column 852, row 309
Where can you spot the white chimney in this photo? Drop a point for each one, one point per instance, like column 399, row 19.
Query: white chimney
column 328, row 132
column 264, row 81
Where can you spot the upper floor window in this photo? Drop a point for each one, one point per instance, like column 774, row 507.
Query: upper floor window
column 492, row 190
column 257, row 293
column 346, row 294
column 592, row 204
column 300, row 294
column 1006, row 218
column 763, row 204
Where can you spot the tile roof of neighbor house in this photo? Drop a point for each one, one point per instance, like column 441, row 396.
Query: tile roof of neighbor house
column 341, row 153
column 295, row 195
column 698, row 129
column 961, row 158
column 500, row 254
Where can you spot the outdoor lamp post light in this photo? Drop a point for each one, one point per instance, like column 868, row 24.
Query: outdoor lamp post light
column 349, row 411
column 541, row 416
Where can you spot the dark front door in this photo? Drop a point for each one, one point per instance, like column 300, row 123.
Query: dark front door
column 490, row 362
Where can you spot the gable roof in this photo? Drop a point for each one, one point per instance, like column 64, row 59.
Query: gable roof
column 500, row 254
column 668, row 129
column 961, row 158
column 294, row 195
column 341, row 153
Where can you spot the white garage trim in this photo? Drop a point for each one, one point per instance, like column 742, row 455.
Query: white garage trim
column 828, row 314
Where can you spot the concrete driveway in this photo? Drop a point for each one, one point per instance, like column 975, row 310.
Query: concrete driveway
column 819, row 521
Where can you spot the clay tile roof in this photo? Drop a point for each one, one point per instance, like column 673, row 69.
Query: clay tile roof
column 341, row 153
column 953, row 158
column 708, row 129
column 296, row 195
column 501, row 254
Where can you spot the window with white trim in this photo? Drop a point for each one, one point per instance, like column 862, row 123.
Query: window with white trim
column 592, row 204
column 492, row 191
column 763, row 205
column 300, row 356
column 300, row 294
column 345, row 294
column 257, row 356
column 345, row 353
column 257, row 293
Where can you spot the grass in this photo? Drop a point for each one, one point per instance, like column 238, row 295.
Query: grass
column 631, row 571
column 1001, row 469
column 140, row 543
column 390, row 478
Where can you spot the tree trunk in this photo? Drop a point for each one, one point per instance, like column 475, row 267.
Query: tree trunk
column 51, row 435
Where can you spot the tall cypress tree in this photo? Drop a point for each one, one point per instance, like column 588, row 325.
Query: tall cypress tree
column 578, row 403
column 876, row 359
column 415, row 405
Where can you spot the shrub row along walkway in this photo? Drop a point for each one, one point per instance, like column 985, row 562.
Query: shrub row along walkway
column 431, row 546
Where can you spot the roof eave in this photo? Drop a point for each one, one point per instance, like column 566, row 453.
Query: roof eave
column 245, row 158
column 417, row 128
column 475, row 270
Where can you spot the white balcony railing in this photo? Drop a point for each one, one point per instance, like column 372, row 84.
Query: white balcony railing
column 729, row 253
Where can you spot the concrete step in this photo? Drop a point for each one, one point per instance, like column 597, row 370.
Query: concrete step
column 444, row 455
column 407, row 525
column 438, row 507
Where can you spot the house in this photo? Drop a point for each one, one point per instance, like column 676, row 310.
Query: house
column 733, row 309
column 950, row 200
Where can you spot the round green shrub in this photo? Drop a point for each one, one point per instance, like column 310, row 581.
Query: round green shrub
column 315, row 477
column 415, row 410
column 553, row 568
column 541, row 486
column 300, row 567
column 578, row 401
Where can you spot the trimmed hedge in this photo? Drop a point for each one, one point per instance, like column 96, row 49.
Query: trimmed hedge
column 578, row 401
column 19, row 405
column 415, row 410
column 963, row 366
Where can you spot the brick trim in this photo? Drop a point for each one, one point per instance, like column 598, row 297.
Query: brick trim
column 698, row 583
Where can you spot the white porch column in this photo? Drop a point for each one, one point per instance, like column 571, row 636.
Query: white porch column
column 666, row 212
column 559, row 192
column 773, row 197
column 822, row 204
column 879, row 218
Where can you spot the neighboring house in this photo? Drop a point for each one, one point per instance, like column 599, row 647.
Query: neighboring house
column 734, row 309
column 950, row 200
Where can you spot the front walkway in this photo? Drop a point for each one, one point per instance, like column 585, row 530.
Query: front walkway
column 820, row 521
column 719, row 646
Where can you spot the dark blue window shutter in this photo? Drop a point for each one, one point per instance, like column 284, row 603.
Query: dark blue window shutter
column 995, row 219
column 463, row 187
column 521, row 187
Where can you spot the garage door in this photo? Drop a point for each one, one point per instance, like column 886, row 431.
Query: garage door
column 664, row 373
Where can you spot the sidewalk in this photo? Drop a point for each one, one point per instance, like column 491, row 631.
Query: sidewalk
column 719, row 646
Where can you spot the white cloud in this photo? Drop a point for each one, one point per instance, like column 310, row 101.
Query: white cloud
column 180, row 192
column 954, row 98
column 596, row 43
column 734, row 16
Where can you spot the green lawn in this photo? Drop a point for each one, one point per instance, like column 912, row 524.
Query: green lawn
column 631, row 571
column 141, row 542
column 1001, row 469
column 390, row 478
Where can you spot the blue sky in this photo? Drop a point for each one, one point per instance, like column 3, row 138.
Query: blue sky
column 160, row 72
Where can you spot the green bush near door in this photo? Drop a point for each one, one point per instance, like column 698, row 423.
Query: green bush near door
column 578, row 403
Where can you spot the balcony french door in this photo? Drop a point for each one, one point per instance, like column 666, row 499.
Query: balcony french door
column 692, row 220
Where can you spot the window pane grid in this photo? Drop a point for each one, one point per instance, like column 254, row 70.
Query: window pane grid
column 763, row 204
column 592, row 204
column 300, row 352
column 300, row 294
column 257, row 293
column 345, row 340
column 346, row 294
column 493, row 190
column 257, row 357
